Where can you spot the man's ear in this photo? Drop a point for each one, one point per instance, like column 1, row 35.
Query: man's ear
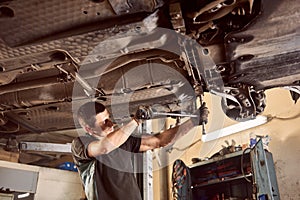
column 88, row 129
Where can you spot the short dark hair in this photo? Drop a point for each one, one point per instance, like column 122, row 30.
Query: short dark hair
column 88, row 111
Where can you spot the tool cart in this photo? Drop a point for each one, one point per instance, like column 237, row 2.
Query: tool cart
column 242, row 175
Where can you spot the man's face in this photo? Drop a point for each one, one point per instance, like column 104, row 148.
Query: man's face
column 103, row 124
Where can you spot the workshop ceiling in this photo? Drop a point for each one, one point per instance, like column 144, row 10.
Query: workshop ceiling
column 56, row 55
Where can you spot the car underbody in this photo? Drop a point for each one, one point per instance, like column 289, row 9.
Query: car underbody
column 55, row 55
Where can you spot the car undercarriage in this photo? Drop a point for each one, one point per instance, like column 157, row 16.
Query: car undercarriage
column 55, row 55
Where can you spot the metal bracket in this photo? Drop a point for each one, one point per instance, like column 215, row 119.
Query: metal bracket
column 45, row 147
column 89, row 90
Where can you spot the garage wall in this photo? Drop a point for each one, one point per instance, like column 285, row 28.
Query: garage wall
column 283, row 128
column 53, row 184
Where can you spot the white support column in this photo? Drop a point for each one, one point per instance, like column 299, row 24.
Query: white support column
column 147, row 166
column 147, row 176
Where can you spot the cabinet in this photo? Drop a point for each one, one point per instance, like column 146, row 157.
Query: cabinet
column 247, row 174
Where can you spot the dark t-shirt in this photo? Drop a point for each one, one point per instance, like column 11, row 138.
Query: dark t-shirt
column 109, row 176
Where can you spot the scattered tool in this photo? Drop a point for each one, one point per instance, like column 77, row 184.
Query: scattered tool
column 174, row 114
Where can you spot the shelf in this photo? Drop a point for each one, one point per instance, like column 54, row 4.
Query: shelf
column 219, row 158
column 218, row 181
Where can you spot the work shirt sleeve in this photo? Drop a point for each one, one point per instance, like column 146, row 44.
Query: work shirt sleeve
column 79, row 148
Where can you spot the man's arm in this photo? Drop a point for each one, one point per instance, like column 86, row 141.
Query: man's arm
column 112, row 141
column 171, row 135
column 168, row 136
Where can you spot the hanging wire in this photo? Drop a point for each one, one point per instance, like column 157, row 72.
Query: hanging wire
column 185, row 148
column 242, row 162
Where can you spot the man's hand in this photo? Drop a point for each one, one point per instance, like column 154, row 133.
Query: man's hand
column 143, row 113
column 202, row 114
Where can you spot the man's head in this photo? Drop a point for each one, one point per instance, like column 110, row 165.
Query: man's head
column 95, row 119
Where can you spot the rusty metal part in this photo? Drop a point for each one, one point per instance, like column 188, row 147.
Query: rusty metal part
column 177, row 18
column 206, row 8
column 242, row 103
column 133, row 6
column 218, row 9
column 3, row 120
column 266, row 58
column 29, row 85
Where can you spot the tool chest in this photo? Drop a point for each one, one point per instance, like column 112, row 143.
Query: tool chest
column 243, row 175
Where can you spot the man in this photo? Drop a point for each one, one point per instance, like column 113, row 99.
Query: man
column 103, row 155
